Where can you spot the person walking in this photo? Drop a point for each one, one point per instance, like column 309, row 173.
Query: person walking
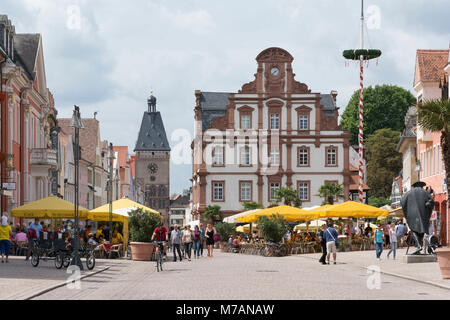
column 379, row 235
column 387, row 239
column 5, row 236
column 400, row 232
column 323, row 244
column 188, row 238
column 176, row 242
column 209, row 234
column 197, row 241
column 393, row 236
column 331, row 235
column 202, row 241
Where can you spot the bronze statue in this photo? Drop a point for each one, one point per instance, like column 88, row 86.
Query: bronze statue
column 417, row 207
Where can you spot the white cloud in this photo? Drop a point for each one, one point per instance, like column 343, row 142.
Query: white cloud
column 199, row 21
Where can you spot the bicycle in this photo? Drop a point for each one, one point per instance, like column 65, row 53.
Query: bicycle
column 159, row 255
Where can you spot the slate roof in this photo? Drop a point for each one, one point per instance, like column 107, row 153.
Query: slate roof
column 328, row 104
column 430, row 65
column 152, row 135
column 88, row 136
column 26, row 50
column 214, row 105
column 182, row 201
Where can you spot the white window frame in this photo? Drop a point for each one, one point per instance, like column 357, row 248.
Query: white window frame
column 275, row 157
column 218, row 191
column 246, row 189
column 331, row 152
column 303, row 121
column 306, row 154
column 218, row 156
column 303, row 189
column 245, row 121
column 245, row 156
column 273, row 187
column 274, row 121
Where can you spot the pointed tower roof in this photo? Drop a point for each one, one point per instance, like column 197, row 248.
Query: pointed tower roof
column 152, row 135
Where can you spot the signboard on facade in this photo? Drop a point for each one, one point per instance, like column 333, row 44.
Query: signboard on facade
column 9, row 186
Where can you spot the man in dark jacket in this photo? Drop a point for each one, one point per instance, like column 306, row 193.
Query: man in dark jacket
column 323, row 244
column 417, row 207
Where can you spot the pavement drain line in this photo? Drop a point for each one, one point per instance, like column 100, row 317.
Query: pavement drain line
column 398, row 276
column 62, row 284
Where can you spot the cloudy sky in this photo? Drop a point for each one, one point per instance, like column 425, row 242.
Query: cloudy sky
column 106, row 55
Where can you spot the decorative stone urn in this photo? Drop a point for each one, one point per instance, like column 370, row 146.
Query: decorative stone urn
column 443, row 255
column 141, row 251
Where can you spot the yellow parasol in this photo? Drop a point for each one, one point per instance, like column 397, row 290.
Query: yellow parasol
column 49, row 208
column 289, row 213
column 351, row 209
column 120, row 209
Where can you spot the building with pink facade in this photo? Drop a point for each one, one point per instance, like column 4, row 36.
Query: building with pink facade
column 431, row 82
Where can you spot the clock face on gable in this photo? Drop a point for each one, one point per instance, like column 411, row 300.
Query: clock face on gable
column 152, row 168
column 274, row 72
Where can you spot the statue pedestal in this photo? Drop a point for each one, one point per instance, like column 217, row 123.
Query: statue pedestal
column 420, row 258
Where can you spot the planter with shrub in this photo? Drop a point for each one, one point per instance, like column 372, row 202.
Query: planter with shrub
column 142, row 224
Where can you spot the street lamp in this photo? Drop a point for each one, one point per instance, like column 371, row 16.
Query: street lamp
column 110, row 191
column 77, row 124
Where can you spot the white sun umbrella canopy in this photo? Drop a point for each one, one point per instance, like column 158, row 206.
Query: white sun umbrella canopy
column 233, row 218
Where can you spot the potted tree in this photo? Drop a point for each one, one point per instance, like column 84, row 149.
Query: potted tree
column 225, row 230
column 274, row 230
column 142, row 224
column 434, row 116
column 213, row 214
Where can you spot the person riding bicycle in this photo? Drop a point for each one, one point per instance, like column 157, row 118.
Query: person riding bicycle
column 161, row 235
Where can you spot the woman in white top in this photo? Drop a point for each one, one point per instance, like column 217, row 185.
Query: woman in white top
column 188, row 240
column 393, row 238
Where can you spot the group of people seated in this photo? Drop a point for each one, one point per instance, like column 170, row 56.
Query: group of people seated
column 98, row 240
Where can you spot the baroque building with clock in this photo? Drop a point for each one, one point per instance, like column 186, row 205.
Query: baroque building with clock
column 153, row 161
column 273, row 133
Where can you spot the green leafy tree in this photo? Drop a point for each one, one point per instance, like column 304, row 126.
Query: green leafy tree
column 383, row 161
column 213, row 213
column 142, row 224
column 273, row 228
column 434, row 115
column 385, row 106
column 331, row 191
column 288, row 196
column 379, row 201
column 251, row 206
column 225, row 230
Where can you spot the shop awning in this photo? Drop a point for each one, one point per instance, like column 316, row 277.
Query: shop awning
column 49, row 208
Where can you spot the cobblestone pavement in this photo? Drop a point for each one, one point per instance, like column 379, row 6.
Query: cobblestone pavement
column 232, row 276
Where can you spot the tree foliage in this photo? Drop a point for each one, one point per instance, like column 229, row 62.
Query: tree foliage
column 385, row 106
column 225, row 230
column 273, row 228
column 331, row 191
column 288, row 196
column 251, row 206
column 213, row 213
column 383, row 161
column 142, row 224
column 434, row 115
column 379, row 201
